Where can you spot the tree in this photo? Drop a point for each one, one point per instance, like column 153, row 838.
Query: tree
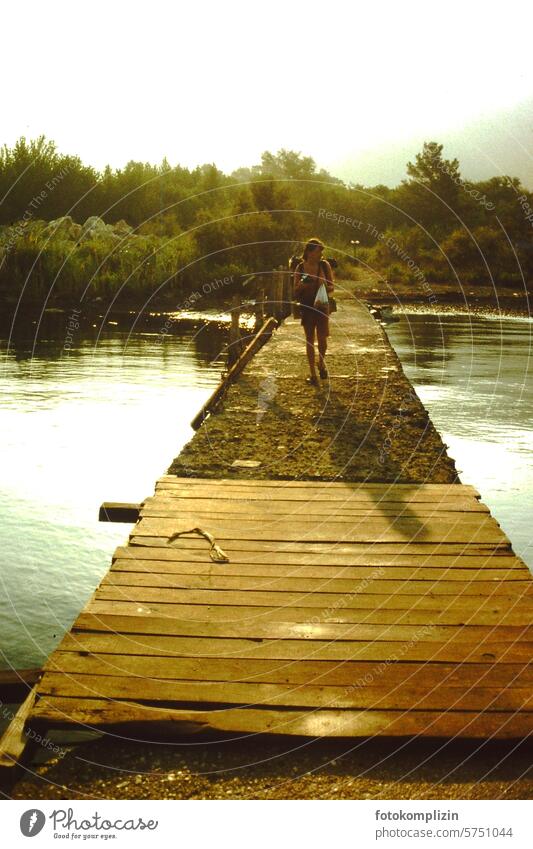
column 432, row 194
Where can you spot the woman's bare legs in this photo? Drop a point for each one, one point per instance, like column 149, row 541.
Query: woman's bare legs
column 310, row 349
column 322, row 348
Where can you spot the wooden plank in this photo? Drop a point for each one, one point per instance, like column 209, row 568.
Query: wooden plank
column 243, row 489
column 296, row 495
column 147, row 646
column 362, row 600
column 322, row 723
column 215, row 510
column 373, row 582
column 375, row 522
column 375, row 530
column 272, row 629
column 115, row 511
column 329, row 486
column 421, row 573
column 14, row 740
column 488, row 613
column 346, row 673
column 492, row 559
column 401, row 697
column 312, row 548
column 169, row 501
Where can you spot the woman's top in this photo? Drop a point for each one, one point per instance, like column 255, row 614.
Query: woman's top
column 306, row 292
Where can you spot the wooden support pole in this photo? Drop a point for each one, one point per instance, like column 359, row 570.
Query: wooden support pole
column 287, row 292
column 259, row 339
column 277, row 295
column 14, row 740
column 259, row 310
column 269, row 292
column 235, row 342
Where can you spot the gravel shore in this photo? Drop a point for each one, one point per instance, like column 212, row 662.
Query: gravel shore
column 284, row 768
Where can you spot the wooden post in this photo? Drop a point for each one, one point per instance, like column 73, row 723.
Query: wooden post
column 269, row 292
column 277, row 295
column 259, row 309
column 259, row 339
column 234, row 349
column 13, row 740
column 287, row 291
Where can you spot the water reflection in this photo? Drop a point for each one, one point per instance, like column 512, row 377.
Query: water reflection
column 475, row 377
column 66, row 334
column 101, row 423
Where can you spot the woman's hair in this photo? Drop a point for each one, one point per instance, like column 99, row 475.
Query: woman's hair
column 311, row 245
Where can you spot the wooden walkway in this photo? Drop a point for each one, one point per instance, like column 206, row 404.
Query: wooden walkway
column 346, row 609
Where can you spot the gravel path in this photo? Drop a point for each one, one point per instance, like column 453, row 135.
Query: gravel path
column 364, row 423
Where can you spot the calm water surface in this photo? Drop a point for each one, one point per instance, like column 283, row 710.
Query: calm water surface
column 475, row 377
column 99, row 425
column 104, row 423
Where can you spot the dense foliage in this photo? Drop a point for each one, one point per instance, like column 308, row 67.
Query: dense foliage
column 68, row 231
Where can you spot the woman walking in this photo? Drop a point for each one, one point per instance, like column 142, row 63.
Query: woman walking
column 310, row 274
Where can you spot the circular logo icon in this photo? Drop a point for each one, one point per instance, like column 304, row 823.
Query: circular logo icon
column 32, row 822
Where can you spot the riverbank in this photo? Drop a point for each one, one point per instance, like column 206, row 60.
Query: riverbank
column 443, row 297
column 165, row 309
column 482, row 310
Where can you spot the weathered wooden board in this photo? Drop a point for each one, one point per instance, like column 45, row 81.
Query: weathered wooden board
column 436, row 489
column 325, row 509
column 356, row 499
column 312, row 548
column 275, row 630
column 14, row 739
column 489, row 614
column 340, row 556
column 363, row 600
column 158, row 510
column 145, row 647
column 268, row 570
column 318, row 723
column 347, row 673
column 375, row 529
column 373, row 582
column 402, row 696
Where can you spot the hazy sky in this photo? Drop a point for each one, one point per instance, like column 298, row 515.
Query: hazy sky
column 223, row 81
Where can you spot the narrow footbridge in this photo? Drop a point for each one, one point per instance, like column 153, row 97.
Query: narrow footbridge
column 345, row 609
column 334, row 588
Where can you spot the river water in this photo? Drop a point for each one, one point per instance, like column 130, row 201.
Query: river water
column 474, row 375
column 102, row 423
